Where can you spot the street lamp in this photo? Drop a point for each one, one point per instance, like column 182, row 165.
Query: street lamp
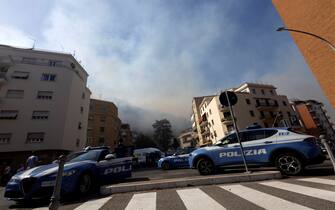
column 310, row 34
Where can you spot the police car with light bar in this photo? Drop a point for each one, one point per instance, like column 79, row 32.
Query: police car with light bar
column 83, row 171
column 289, row 151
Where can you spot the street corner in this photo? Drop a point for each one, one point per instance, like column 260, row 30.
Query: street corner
column 189, row 181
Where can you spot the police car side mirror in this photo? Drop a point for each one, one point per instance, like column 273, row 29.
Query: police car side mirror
column 109, row 157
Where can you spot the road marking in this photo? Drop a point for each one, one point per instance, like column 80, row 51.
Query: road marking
column 309, row 191
column 319, row 181
column 93, row 204
column 142, row 201
column 262, row 199
column 196, row 199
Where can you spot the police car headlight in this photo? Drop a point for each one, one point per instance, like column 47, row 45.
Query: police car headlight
column 14, row 180
column 69, row 173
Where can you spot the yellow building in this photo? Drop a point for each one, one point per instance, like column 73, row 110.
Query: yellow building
column 103, row 124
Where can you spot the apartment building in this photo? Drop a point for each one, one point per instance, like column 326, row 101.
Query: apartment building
column 314, row 118
column 186, row 138
column 318, row 18
column 44, row 102
column 126, row 135
column 103, row 124
column 257, row 104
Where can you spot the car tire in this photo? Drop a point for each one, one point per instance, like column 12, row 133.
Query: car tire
column 289, row 164
column 165, row 166
column 205, row 166
column 85, row 184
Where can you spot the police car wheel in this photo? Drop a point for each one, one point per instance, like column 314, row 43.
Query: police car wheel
column 165, row 166
column 289, row 164
column 205, row 167
column 85, row 183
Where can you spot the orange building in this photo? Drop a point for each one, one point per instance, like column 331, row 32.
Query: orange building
column 103, row 124
column 316, row 17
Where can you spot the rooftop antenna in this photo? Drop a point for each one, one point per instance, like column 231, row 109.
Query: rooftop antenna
column 33, row 43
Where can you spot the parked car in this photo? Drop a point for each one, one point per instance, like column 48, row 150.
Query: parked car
column 142, row 154
column 289, row 151
column 83, row 171
column 177, row 160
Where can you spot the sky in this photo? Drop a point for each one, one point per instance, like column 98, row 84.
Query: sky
column 151, row 57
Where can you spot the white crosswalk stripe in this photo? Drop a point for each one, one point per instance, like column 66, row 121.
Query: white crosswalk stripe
column 142, row 201
column 319, row 181
column 196, row 199
column 262, row 199
column 309, row 191
column 94, row 204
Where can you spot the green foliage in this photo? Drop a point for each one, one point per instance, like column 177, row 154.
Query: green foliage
column 162, row 134
column 144, row 141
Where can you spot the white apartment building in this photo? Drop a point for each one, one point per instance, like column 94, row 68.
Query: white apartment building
column 44, row 104
column 257, row 104
column 186, row 138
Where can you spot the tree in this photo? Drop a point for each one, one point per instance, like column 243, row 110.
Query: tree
column 162, row 134
column 175, row 143
column 144, row 141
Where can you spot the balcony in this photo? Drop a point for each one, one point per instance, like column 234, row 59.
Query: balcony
column 266, row 105
column 224, row 108
column 204, row 131
column 227, row 120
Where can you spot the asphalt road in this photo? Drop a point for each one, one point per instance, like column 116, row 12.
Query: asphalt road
column 170, row 199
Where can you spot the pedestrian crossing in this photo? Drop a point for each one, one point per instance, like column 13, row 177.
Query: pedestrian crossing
column 275, row 194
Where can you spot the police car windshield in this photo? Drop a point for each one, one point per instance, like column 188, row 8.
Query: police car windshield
column 90, row 155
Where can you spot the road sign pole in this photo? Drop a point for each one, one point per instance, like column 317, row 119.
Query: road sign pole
column 329, row 151
column 54, row 204
column 237, row 133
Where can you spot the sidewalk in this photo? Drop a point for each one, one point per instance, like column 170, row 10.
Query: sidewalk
column 188, row 182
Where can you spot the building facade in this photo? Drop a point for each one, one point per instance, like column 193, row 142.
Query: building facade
column 314, row 118
column 126, row 135
column 44, row 102
column 257, row 104
column 187, row 138
column 103, row 124
column 316, row 17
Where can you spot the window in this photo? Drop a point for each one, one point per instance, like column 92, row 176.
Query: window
column 272, row 93
column 40, row 115
column 272, row 114
column 263, row 92
column 44, row 95
column 262, row 114
column 247, row 101
column 102, row 119
column 48, row 77
column 5, row 138
column 253, row 91
column 15, row 94
column 55, row 63
column 8, row 114
column 81, row 110
column 276, row 103
column 257, row 134
column 215, row 134
column 83, row 95
column 102, row 129
column 77, row 142
column 101, row 140
column 289, row 114
column 230, row 139
column 210, row 111
column 284, row 103
column 252, row 113
column 20, row 75
column 212, row 122
column 29, row 60
column 79, row 125
column 35, row 137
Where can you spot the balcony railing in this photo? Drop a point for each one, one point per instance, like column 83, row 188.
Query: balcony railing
column 227, row 120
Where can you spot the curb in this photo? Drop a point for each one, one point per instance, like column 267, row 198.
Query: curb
column 188, row 182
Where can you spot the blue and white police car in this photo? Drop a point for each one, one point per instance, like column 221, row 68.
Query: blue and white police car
column 289, row 151
column 82, row 171
column 177, row 160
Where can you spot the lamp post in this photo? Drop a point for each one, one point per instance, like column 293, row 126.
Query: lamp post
column 310, row 34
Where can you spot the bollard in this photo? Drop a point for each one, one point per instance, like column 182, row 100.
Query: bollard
column 330, row 153
column 54, row 202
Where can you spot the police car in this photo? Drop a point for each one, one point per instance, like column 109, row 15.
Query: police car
column 289, row 151
column 82, row 171
column 177, row 160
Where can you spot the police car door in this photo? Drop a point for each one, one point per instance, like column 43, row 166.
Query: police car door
column 230, row 154
column 258, row 144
